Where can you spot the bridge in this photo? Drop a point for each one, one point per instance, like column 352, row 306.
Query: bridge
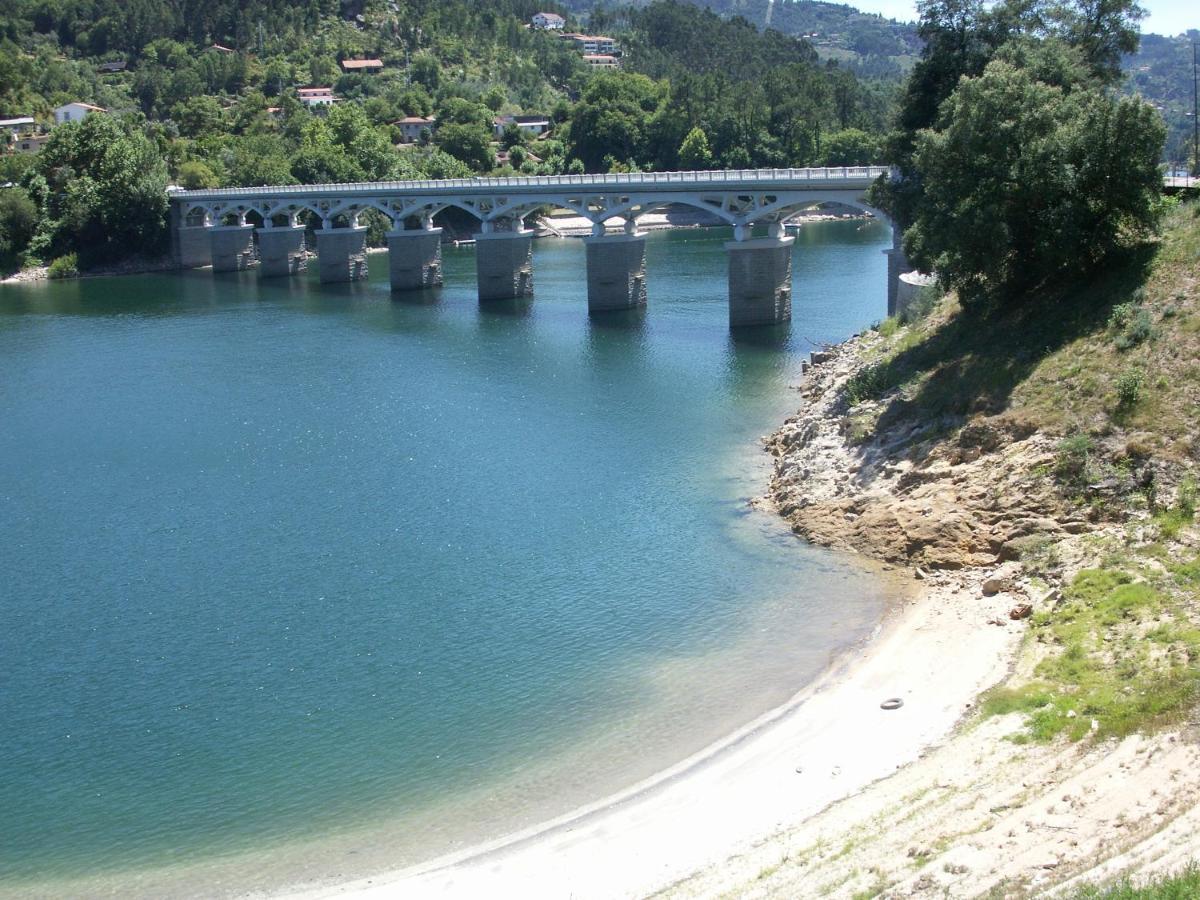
column 220, row 227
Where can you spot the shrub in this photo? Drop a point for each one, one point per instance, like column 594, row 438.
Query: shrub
column 64, row 267
column 1071, row 462
column 1139, row 328
column 869, row 383
column 1129, row 387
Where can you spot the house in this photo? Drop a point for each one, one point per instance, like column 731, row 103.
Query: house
column 535, row 126
column 601, row 61
column 314, row 97
column 412, row 126
column 29, row 143
column 111, row 68
column 596, row 44
column 366, row 66
column 75, row 112
column 18, row 125
column 548, row 21
column 222, row 49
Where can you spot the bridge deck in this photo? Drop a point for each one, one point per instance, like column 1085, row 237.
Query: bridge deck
column 845, row 178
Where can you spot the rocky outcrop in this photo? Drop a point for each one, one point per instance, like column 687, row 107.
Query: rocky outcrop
column 941, row 495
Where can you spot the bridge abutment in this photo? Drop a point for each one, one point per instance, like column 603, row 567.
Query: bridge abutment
column 415, row 258
column 232, row 247
column 504, row 264
column 342, row 254
column 760, row 281
column 616, row 271
column 281, row 251
column 193, row 247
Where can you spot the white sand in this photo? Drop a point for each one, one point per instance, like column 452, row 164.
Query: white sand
column 936, row 653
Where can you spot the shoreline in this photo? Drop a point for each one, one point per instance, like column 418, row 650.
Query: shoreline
column 562, row 227
column 829, row 741
column 784, row 767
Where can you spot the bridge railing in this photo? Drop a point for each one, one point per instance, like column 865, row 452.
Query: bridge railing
column 737, row 177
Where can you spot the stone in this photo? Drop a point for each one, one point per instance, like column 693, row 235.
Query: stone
column 1020, row 611
column 993, row 586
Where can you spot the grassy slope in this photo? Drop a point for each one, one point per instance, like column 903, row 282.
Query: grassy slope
column 1056, row 361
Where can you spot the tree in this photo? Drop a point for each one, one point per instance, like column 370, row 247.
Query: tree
column 694, row 153
column 103, row 190
column 612, row 118
column 18, row 221
column 197, row 115
column 469, row 144
column 195, row 175
column 851, row 147
column 1027, row 183
column 426, row 71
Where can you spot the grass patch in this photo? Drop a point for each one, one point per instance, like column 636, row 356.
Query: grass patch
column 1182, row 886
column 1123, row 653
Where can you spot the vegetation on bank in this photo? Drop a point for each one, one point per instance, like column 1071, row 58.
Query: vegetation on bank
column 1118, row 649
column 1183, row 885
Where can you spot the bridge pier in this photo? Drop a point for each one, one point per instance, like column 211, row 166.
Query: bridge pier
column 280, row 251
column 760, row 280
column 897, row 265
column 504, row 264
column 415, row 258
column 232, row 247
column 616, row 271
column 342, row 254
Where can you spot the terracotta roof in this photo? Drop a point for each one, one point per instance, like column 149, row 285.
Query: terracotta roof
column 362, row 64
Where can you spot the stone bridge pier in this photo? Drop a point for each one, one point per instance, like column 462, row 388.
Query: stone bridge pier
column 616, row 268
column 281, row 250
column 504, row 263
column 341, row 253
column 415, row 257
column 760, row 278
column 232, row 247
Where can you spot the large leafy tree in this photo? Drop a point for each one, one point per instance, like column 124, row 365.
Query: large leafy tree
column 1027, row 182
column 101, row 184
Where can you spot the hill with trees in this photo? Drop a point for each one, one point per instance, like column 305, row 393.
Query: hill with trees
column 867, row 43
column 1161, row 71
column 212, row 88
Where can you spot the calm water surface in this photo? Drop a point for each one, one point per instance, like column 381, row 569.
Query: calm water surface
column 303, row 581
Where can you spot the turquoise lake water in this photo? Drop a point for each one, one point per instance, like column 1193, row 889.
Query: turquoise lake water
column 303, row 581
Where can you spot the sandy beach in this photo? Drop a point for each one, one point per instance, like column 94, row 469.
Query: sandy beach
column 832, row 740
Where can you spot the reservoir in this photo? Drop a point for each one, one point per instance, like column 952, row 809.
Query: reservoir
column 302, row 581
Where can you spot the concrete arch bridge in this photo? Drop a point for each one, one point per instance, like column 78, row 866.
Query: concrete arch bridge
column 216, row 227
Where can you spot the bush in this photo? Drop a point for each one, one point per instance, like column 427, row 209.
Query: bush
column 18, row 221
column 64, row 267
column 869, row 383
column 1071, row 462
column 1139, row 328
column 1129, row 387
